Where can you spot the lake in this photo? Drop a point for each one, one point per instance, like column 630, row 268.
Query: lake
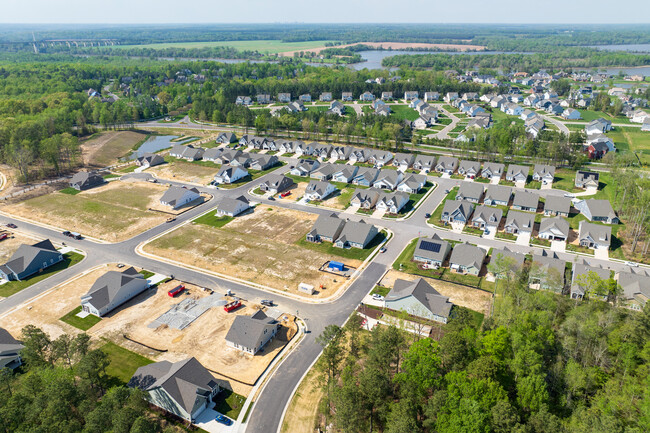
column 638, row 48
column 156, row 143
column 373, row 58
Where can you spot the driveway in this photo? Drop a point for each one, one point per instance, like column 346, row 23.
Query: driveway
column 523, row 239
column 457, row 227
column 378, row 213
column 520, row 184
column 601, row 254
column 207, row 422
column 547, row 186
column 494, row 180
column 558, row 246
column 491, row 234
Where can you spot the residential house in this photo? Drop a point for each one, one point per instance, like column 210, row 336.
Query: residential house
column 324, row 172
column 486, row 217
column 304, row 98
column 597, row 210
column 230, row 174
column 554, row 229
column 184, row 388
column 392, row 202
column 556, row 205
column 111, row 290
column 474, row 110
column 388, row 179
column 263, row 99
column 423, row 122
column 470, row 96
column 431, row 96
column 492, row 170
column 424, row 163
column 544, row 173
column 286, row 146
column 527, row 114
column 512, row 260
column 326, row 228
column 639, row 116
column 599, row 125
column 469, row 169
column 433, row 251
column 412, row 183
column 403, row 161
column 262, row 161
column 284, row 98
column 226, row 156
column 346, row 96
column 358, row 155
column 587, row 179
column 598, row 149
column 636, row 288
column 344, row 173
column 337, row 107
column 482, row 122
column 534, row 126
column 450, row 97
column 302, row 149
column 212, row 154
column 356, row 234
column 517, row 173
column 457, row 211
column 447, row 164
column 580, row 282
column 295, row 107
column 419, row 299
column 251, row 333
column 571, row 114
column 470, row 191
column 243, row 100
column 594, row 236
column 86, row 180
column 322, row 151
column 319, row 190
column 149, row 160
column 526, row 201
column 519, row 222
column 276, row 183
column 386, row 96
column 380, row 158
column 367, row 97
column 177, row 197
column 342, row 152
column 547, row 272
column 10, row 349
column 232, row 207
column 497, row 195
column 410, row 95
column 383, row 110
column 467, row 259
column 304, row 167
column 325, row 97
column 365, row 198
column 365, row 176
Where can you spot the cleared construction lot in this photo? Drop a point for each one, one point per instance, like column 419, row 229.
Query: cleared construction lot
column 106, row 148
column 258, row 247
column 112, row 212
column 183, row 171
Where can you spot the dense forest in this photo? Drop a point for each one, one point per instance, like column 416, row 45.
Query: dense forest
column 63, row 388
column 541, row 363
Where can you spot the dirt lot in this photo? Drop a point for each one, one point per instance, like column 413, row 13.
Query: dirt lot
column 105, row 148
column 257, row 247
column 185, row 172
column 11, row 244
column 397, row 46
column 473, row 299
column 203, row 339
column 303, row 409
column 113, row 212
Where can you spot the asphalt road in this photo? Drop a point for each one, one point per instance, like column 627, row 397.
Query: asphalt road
column 266, row 415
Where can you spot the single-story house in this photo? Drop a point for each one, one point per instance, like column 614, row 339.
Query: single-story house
column 324, row 172
column 149, row 160
column 547, row 271
column 486, row 217
column 519, row 222
column 467, row 259
column 424, row 163
column 365, row 198
column 447, row 164
column 636, row 288
column 515, row 261
column 526, row 201
column 262, row 162
column 469, row 169
column 387, row 179
column 176, row 196
column 30, row 259
column 581, row 269
column 554, row 229
column 251, row 333
column 111, row 290
column 232, row 206
column 184, row 388
column 556, row 205
column 85, row 180
column 472, row 192
column 212, row 154
column 318, row 190
column 304, row 167
column 497, row 195
column 412, row 183
column 276, row 183
column 356, row 235
column 517, row 173
column 418, row 298
column 597, row 210
column 228, row 137
column 227, row 156
column 365, row 176
column 230, row 174
column 492, row 169
column 544, row 173
column 433, row 251
column 594, row 236
column 344, row 173
column 326, row 228
column 187, row 152
column 587, row 179
column 457, row 211
column 571, row 114
column 380, row 158
column 392, row 202
column 403, row 161
column 10, row 349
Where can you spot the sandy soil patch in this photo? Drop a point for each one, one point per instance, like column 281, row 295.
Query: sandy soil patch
column 258, row 247
column 298, row 191
column 303, row 409
column 473, row 299
column 398, row 46
column 113, row 212
column 184, row 171
column 11, row 244
column 105, row 149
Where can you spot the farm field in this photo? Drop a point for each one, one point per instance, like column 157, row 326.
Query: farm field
column 264, row 46
column 258, row 247
column 105, row 148
column 113, row 212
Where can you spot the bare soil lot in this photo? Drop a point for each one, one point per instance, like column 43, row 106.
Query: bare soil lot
column 185, row 171
column 473, row 299
column 113, row 212
column 257, row 247
column 106, row 148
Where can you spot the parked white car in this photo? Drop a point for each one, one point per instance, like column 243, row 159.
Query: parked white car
column 377, row 297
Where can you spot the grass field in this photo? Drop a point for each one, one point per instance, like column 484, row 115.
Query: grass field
column 211, row 219
column 404, row 112
column 123, row 363
column 350, row 253
column 105, row 148
column 229, row 403
column 84, row 324
column 264, row 46
column 13, row 287
column 633, row 140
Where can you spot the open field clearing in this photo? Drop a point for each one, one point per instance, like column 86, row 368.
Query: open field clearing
column 474, row 299
column 398, row 46
column 112, row 212
column 184, row 171
column 105, row 148
column 263, row 46
column 257, row 247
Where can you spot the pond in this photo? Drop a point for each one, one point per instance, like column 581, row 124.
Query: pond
column 157, row 143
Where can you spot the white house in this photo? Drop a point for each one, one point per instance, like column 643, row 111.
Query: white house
column 177, row 196
column 230, row 174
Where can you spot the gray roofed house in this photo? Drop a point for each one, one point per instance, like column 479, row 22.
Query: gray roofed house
column 587, row 179
column 111, row 290
column 322, row 150
column 9, row 350
column 514, row 260
column 358, row 155
column 594, row 236
column 470, row 191
column 418, row 298
column 486, row 216
column 149, row 160
column 433, row 251
column 304, row 167
column 380, row 158
column 344, row 173
column 469, row 169
column 365, row 176
column 597, row 210
column 554, row 229
column 412, row 183
column 493, row 169
column 184, row 388
column 424, row 162
column 578, row 288
column 387, row 179
column 547, row 272
column 227, row 138
column 356, row 235
column 342, row 152
column 227, row 156
column 392, row 202
column 276, row 183
column 177, row 196
column 636, row 288
column 262, row 161
column 325, row 171
column 251, row 333
column 519, row 222
column 403, row 161
column 365, row 198
column 497, row 195
column 85, row 180
column 232, row 206
column 230, row 174
column 325, row 228
column 457, row 211
column 544, row 173
column 30, row 259
column 190, row 153
column 556, row 205
column 517, row 173
column 212, row 154
column 526, row 201
column 466, row 258
column 447, row 164
column 318, row 190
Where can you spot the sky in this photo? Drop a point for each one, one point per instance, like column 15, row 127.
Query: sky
column 324, row 11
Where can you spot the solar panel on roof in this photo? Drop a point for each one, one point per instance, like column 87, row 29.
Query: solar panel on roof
column 430, row 246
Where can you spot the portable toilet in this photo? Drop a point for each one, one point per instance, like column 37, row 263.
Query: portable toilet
column 337, row 266
column 306, row 288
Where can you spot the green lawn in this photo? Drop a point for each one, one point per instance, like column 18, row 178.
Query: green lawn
column 435, row 216
column 633, row 140
column 565, row 180
column 13, row 287
column 123, row 363
column 70, row 190
column 128, row 169
column 499, row 116
column 264, row 46
column 589, row 115
column 147, row 274
column 229, row 403
column 211, row 219
column 404, row 112
column 252, row 175
column 111, row 176
column 349, row 253
column 84, row 324
column 380, row 290
column 477, row 317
